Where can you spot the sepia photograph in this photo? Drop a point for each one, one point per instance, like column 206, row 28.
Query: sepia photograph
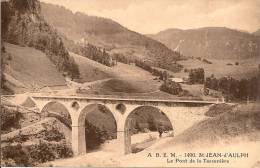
column 130, row 83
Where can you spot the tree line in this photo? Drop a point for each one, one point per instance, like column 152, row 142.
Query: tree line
column 94, row 53
column 234, row 89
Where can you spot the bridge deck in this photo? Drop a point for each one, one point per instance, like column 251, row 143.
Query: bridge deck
column 136, row 99
column 127, row 98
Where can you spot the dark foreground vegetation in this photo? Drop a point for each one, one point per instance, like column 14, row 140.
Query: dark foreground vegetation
column 32, row 155
column 40, row 143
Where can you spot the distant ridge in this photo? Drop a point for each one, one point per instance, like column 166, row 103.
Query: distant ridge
column 211, row 42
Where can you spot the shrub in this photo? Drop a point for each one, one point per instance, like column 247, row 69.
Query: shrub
column 20, row 138
column 53, row 135
column 17, row 154
column 63, row 151
column 44, row 152
column 218, row 109
column 8, row 163
column 9, row 119
column 32, row 155
column 41, row 153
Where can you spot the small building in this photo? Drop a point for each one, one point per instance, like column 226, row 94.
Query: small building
column 177, row 80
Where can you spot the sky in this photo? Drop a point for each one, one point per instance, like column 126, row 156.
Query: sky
column 152, row 16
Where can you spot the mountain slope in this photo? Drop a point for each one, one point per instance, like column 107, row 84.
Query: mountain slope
column 23, row 24
column 91, row 70
column 108, row 34
column 211, row 42
column 34, row 71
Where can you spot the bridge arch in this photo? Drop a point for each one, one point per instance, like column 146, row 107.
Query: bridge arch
column 54, row 108
column 81, row 123
column 158, row 116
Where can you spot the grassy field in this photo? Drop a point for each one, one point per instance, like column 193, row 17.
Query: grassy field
column 91, row 70
column 220, row 68
column 121, row 79
column 126, row 86
column 242, row 121
column 32, row 67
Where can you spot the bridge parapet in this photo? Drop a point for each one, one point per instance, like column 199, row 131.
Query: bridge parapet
column 137, row 101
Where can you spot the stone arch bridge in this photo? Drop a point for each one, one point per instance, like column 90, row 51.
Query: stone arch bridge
column 179, row 112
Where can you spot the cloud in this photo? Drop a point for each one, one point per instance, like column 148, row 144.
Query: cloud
column 151, row 16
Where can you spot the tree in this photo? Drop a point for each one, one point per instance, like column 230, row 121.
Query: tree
column 235, row 89
column 197, row 76
column 171, row 87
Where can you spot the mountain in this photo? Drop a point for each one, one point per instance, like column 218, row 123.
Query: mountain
column 109, row 35
column 23, row 24
column 211, row 42
column 257, row 33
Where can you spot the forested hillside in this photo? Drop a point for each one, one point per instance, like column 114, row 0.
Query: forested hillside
column 108, row 34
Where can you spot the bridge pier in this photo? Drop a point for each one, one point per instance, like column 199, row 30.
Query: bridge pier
column 75, row 140
column 121, row 142
column 78, row 140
